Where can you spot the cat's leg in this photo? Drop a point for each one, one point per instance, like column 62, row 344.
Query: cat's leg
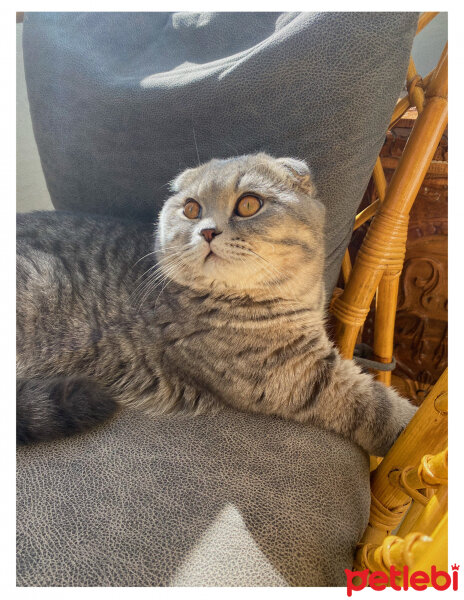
column 343, row 398
column 59, row 406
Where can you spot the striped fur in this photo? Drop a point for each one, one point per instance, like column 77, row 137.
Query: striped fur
column 157, row 322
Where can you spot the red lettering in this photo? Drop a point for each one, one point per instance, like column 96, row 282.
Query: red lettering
column 378, row 581
column 434, row 575
column 393, row 575
column 406, row 577
column 419, row 581
column 455, row 580
column 350, row 575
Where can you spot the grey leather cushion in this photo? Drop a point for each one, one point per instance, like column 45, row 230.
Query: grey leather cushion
column 229, row 500
column 118, row 99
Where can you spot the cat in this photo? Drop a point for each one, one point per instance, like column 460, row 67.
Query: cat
column 222, row 304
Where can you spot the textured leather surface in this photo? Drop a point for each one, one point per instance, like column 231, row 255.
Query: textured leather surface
column 118, row 99
column 229, row 500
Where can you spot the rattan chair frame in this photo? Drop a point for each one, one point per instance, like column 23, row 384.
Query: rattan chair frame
column 380, row 259
column 409, row 486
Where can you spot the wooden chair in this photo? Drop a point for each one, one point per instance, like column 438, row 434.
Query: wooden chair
column 409, row 486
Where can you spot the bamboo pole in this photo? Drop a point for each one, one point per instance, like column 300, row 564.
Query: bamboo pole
column 386, row 296
column 379, row 179
column 366, row 214
column 401, row 107
column 432, row 514
column 407, row 524
column 384, row 324
column 435, row 553
column 381, row 186
column 346, row 266
column 414, row 82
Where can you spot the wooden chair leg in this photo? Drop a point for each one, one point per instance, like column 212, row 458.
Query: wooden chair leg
column 384, row 327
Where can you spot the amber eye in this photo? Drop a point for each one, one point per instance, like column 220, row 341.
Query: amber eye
column 192, row 209
column 248, row 206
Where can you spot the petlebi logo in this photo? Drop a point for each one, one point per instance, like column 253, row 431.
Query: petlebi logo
column 416, row 580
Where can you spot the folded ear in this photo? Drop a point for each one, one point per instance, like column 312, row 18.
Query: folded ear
column 181, row 180
column 299, row 171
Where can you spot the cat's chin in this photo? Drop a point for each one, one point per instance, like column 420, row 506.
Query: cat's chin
column 214, row 266
column 213, row 257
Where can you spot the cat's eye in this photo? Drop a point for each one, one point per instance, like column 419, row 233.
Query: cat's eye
column 192, row 209
column 248, row 206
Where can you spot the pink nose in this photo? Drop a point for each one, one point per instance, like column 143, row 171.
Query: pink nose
column 209, row 234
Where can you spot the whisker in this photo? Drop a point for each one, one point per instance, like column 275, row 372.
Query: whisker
column 154, row 266
column 152, row 277
column 273, row 271
column 196, row 145
column 157, row 266
column 146, row 255
column 150, row 289
column 162, row 275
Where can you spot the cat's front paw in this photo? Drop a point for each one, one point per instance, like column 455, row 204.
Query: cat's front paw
column 391, row 415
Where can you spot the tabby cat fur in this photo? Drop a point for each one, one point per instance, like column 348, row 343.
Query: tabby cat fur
column 213, row 309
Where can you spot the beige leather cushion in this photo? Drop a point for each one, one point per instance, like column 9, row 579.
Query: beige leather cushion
column 229, row 500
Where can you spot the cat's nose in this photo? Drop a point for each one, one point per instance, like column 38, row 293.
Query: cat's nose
column 209, row 234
